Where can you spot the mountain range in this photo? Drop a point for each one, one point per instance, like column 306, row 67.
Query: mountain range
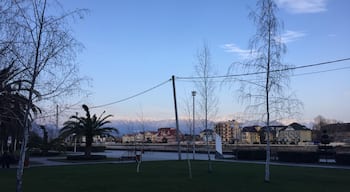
column 134, row 126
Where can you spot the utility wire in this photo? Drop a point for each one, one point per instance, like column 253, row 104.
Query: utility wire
column 133, row 96
column 323, row 71
column 293, row 75
column 111, row 103
column 227, row 76
column 150, row 89
column 279, row 70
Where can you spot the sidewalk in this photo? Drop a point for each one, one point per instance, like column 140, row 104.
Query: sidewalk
column 166, row 156
column 326, row 166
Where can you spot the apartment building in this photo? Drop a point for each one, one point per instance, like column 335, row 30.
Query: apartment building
column 229, row 131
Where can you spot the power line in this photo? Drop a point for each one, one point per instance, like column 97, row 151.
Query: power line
column 111, row 103
column 293, row 75
column 257, row 73
column 133, row 96
column 322, row 63
column 227, row 76
column 323, row 71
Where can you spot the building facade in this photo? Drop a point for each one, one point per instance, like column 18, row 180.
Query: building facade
column 167, row 135
column 141, row 137
column 229, row 131
column 250, row 135
column 207, row 135
column 338, row 132
column 294, row 134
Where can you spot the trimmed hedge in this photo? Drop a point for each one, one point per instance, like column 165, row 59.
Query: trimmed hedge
column 82, row 148
column 251, row 155
column 298, row 157
column 42, row 154
column 342, row 159
column 83, row 157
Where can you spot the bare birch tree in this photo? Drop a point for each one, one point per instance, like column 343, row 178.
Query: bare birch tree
column 189, row 118
column 187, row 110
column 266, row 92
column 189, row 124
column 45, row 49
column 206, row 92
column 141, row 124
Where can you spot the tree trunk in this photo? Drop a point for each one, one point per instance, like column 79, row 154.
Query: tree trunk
column 22, row 157
column 26, row 123
column 267, row 89
column 15, row 145
column 210, row 168
column 268, row 151
column 189, row 162
column 88, row 146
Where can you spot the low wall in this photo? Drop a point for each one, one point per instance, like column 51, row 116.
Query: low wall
column 159, row 147
column 227, row 148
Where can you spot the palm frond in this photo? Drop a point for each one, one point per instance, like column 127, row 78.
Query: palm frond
column 88, row 126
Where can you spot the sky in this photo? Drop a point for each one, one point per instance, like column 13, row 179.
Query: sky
column 133, row 45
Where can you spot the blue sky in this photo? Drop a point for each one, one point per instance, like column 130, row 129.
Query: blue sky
column 132, row 45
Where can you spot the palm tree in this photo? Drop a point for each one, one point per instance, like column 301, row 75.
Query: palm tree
column 88, row 126
column 12, row 105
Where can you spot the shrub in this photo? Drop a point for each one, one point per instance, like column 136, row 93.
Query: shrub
column 14, row 159
column 43, row 154
column 342, row 159
column 251, row 155
column 83, row 157
column 298, row 157
column 82, row 148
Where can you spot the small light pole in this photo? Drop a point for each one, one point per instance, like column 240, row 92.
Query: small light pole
column 193, row 125
column 75, row 143
column 75, row 136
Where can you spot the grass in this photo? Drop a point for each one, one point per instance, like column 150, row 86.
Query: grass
column 172, row 176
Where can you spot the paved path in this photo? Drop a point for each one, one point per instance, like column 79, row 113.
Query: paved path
column 329, row 166
column 162, row 156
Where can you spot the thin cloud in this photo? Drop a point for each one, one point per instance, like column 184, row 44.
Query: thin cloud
column 287, row 37
column 290, row 36
column 303, row 6
column 233, row 48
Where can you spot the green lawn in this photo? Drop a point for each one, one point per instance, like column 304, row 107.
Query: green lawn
column 170, row 176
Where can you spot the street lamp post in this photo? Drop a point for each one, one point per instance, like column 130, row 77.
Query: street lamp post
column 75, row 143
column 193, row 125
column 75, row 136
